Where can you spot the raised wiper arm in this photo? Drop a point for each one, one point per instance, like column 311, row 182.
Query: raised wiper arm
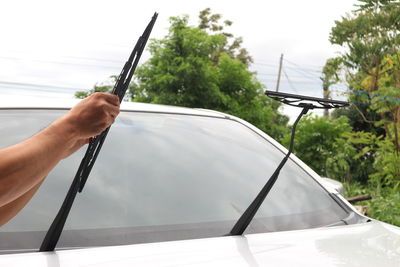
column 306, row 103
column 95, row 144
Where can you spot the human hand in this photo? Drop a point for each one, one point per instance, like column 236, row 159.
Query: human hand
column 87, row 119
column 93, row 114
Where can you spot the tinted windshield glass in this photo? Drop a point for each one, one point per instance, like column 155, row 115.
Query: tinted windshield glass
column 165, row 177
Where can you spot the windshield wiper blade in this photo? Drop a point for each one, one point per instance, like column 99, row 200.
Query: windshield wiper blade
column 306, row 103
column 95, row 144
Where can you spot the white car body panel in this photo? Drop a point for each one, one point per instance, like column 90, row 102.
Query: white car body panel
column 368, row 244
column 34, row 102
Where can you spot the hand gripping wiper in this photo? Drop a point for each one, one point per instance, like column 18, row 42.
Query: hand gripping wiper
column 95, row 144
column 306, row 103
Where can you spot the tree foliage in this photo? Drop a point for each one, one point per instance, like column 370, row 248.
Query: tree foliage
column 354, row 157
column 330, row 76
column 330, row 71
column 369, row 33
column 231, row 46
column 204, row 67
column 316, row 139
column 104, row 87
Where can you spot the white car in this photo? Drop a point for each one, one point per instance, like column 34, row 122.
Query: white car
column 168, row 186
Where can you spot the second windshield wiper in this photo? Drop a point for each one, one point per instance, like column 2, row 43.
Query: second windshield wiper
column 121, row 85
column 306, row 103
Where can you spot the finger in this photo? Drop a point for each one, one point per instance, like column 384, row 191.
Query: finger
column 112, row 111
column 112, row 118
column 108, row 98
column 112, row 99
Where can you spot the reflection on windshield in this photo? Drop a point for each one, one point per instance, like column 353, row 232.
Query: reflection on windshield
column 162, row 169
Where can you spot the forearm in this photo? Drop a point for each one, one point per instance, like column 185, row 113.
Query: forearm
column 25, row 165
column 8, row 211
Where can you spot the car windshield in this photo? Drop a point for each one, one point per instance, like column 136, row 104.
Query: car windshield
column 165, row 177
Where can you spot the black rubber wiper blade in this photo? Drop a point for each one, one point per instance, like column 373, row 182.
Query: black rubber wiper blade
column 95, row 144
column 306, row 103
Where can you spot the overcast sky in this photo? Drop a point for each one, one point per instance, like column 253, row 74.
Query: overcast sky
column 50, row 47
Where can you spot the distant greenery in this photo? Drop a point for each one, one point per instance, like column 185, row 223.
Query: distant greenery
column 367, row 164
column 316, row 142
column 105, row 86
column 364, row 150
column 383, row 206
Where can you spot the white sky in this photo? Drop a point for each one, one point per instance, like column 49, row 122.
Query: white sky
column 71, row 45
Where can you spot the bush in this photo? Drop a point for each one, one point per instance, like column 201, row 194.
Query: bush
column 315, row 141
column 384, row 205
column 385, row 208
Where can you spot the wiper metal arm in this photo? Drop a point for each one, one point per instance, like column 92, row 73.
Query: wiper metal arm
column 306, row 103
column 249, row 213
column 95, row 144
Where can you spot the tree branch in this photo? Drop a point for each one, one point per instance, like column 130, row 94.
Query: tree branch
column 358, row 198
column 396, row 130
column 362, row 115
column 385, row 124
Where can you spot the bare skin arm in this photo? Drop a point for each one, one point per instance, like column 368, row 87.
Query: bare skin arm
column 24, row 165
column 8, row 211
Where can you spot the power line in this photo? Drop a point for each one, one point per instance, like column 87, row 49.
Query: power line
column 96, row 59
column 305, row 71
column 265, row 74
column 311, row 72
column 265, row 64
column 62, row 63
column 309, row 66
column 306, row 76
column 20, row 84
column 314, row 67
column 294, row 76
column 370, row 95
column 290, row 83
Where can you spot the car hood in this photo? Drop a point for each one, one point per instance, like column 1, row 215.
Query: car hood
column 367, row 244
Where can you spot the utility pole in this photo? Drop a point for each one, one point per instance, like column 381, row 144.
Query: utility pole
column 279, row 73
column 325, row 87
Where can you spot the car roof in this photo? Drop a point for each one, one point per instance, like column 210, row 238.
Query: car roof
column 23, row 102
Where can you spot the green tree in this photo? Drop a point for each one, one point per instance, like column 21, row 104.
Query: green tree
column 386, row 100
column 382, row 150
column 105, row 87
column 316, row 142
column 368, row 34
column 231, row 45
column 354, row 157
column 330, row 76
column 198, row 67
column 387, row 168
column 96, row 88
